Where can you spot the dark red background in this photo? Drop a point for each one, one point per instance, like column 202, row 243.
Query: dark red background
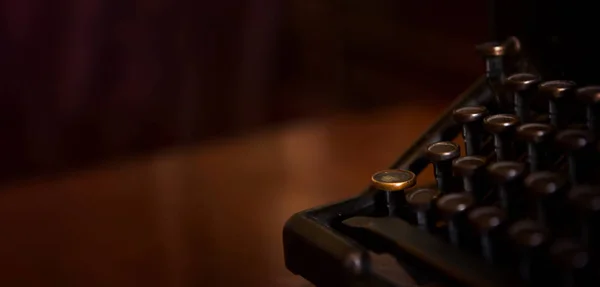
column 87, row 80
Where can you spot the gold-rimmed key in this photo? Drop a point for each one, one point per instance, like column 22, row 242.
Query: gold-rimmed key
column 393, row 182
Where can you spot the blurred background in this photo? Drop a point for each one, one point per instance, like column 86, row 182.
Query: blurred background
column 165, row 143
column 84, row 81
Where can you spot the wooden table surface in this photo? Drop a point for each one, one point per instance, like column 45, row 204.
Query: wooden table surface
column 207, row 215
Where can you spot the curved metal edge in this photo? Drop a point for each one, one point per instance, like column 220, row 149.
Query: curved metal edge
column 324, row 257
column 317, row 252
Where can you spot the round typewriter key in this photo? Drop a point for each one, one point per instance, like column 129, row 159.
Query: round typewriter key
column 549, row 191
column 486, row 218
column 530, row 239
column 559, row 94
column 586, row 201
column 535, row 132
column 590, row 96
column 506, row 171
column 393, row 179
column 573, row 262
column 472, row 170
column 391, row 182
column 586, row 198
column 493, row 54
column 471, row 119
column 575, row 143
column 486, row 221
column 421, row 200
column 528, row 234
column 470, row 114
column 522, row 81
column 503, row 127
column 441, row 154
column 452, row 204
column 491, row 49
column 557, row 89
column 537, row 137
column 453, row 208
column 443, row 151
column 523, row 87
column 508, row 177
column 545, row 183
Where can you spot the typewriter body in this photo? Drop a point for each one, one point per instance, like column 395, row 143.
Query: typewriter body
column 517, row 169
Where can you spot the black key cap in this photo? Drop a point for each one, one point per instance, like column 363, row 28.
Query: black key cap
column 493, row 54
column 590, row 96
column 586, row 201
column 508, row 177
column 538, row 138
column 523, row 87
column 560, row 101
column 576, row 144
column 473, row 133
column 549, row 190
column 441, row 154
column 503, row 127
column 572, row 262
column 472, row 170
column 421, row 201
column 453, row 207
column 530, row 240
column 487, row 221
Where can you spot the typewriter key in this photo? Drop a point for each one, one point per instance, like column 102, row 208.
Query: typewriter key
column 441, row 154
column 471, row 119
column 537, row 137
column 530, row 239
column 559, row 94
column 573, row 263
column 493, row 53
column 549, row 191
column 393, row 182
column 503, row 127
column 420, row 201
column 574, row 143
column 453, row 208
column 523, row 87
column 586, row 201
column 487, row 220
column 591, row 97
column 472, row 170
column 508, row 177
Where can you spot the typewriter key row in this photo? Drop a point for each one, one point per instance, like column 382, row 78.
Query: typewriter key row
column 525, row 192
column 534, row 222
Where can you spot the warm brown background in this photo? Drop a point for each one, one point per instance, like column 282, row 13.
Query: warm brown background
column 87, row 80
column 192, row 129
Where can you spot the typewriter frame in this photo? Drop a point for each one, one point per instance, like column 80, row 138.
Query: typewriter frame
column 316, row 242
column 317, row 248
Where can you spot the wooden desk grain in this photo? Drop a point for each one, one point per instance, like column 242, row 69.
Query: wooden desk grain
column 209, row 215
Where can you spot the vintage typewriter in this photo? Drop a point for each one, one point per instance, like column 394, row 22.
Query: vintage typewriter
column 519, row 205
